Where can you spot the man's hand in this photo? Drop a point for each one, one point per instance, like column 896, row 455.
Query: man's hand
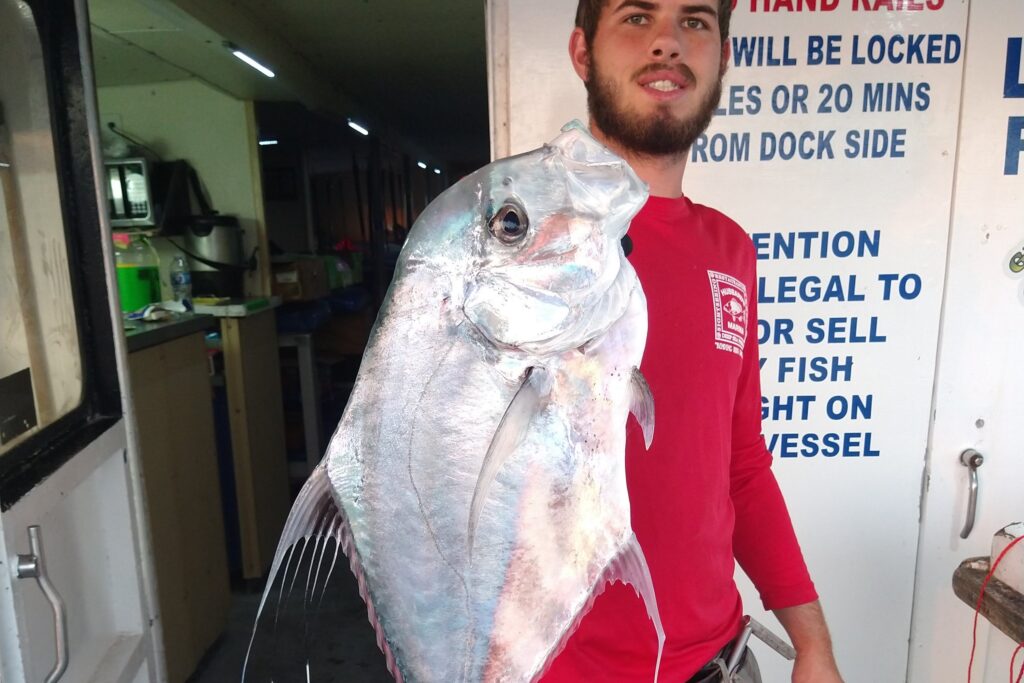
column 811, row 670
column 806, row 627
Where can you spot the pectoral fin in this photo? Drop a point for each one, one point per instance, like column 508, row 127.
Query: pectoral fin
column 514, row 423
column 641, row 404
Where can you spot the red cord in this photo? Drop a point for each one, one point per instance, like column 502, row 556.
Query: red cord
column 977, row 609
column 1013, row 659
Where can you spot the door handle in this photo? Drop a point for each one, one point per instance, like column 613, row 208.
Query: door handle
column 32, row 566
column 972, row 460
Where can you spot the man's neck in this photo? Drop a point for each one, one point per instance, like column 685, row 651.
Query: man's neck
column 664, row 175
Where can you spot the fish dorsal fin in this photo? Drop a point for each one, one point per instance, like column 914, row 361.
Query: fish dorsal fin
column 641, row 404
column 525, row 404
column 315, row 519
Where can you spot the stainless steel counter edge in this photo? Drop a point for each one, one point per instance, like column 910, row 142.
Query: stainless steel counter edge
column 146, row 334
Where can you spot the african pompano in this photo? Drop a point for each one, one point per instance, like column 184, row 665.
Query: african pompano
column 476, row 480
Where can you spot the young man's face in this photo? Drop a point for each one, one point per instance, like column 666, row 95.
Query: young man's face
column 654, row 72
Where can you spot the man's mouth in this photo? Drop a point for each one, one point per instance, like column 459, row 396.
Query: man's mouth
column 664, row 80
column 663, row 86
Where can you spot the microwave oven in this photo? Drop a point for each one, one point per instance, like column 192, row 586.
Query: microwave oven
column 130, row 193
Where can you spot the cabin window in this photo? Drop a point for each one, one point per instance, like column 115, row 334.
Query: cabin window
column 59, row 383
column 40, row 361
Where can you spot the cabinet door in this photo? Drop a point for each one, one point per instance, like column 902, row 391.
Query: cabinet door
column 171, row 389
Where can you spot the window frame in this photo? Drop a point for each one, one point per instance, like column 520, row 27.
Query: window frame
column 28, row 463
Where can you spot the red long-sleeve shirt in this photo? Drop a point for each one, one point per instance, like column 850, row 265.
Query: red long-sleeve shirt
column 704, row 494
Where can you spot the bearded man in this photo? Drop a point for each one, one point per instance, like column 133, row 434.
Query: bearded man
column 704, row 496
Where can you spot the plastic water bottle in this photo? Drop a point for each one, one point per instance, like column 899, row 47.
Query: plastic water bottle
column 181, row 279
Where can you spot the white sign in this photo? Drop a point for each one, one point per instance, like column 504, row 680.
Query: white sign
column 834, row 146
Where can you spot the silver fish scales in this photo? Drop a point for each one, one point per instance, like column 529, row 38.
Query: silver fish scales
column 476, row 481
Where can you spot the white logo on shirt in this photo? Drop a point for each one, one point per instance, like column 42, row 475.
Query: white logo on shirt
column 729, row 296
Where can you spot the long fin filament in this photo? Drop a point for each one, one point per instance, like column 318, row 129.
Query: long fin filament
column 629, row 566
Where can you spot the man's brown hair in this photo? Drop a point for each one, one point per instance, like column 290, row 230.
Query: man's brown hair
column 589, row 11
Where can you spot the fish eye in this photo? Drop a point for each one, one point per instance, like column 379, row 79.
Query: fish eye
column 509, row 223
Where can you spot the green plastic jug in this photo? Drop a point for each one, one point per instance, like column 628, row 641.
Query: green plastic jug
column 138, row 272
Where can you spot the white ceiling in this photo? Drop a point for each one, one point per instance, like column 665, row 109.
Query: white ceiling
column 414, row 68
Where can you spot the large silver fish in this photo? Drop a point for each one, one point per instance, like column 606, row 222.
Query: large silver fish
column 476, row 481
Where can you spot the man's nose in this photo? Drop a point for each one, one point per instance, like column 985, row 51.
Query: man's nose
column 667, row 45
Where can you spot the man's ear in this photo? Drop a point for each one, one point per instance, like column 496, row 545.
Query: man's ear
column 579, row 54
column 726, row 56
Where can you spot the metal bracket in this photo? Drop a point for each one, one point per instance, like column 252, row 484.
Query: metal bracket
column 32, row 566
column 751, row 627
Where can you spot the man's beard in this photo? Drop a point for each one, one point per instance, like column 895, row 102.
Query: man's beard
column 659, row 134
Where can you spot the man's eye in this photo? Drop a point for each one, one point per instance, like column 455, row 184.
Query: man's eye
column 696, row 24
column 636, row 19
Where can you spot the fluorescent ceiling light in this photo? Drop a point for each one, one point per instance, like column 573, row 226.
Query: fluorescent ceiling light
column 437, row 171
column 268, row 142
column 356, row 127
column 421, row 165
column 253, row 63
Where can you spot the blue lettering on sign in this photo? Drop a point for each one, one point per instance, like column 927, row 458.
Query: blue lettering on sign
column 1014, row 84
column 741, row 100
column 1014, row 87
column 876, row 144
column 815, row 244
column 823, row 50
column 908, row 286
column 760, row 51
column 816, row 368
column 787, row 407
column 897, row 96
column 791, row 289
column 843, row 330
column 1014, row 145
column 913, row 48
column 806, row 145
column 721, row 147
column 790, row 100
column 849, row 445
column 778, row 331
column 855, row 407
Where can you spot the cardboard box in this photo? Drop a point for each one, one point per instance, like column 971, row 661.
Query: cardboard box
column 303, row 279
column 345, row 333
